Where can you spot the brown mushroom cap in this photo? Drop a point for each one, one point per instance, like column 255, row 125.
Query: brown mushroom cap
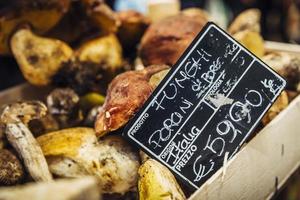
column 165, row 41
column 102, row 15
column 11, row 170
column 125, row 95
column 22, row 111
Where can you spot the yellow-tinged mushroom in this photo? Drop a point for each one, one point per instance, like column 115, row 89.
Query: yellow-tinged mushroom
column 158, row 77
column 66, row 142
column 91, row 99
column 156, row 182
column 41, row 15
column 280, row 104
column 106, row 51
column 76, row 152
column 247, row 20
column 39, row 58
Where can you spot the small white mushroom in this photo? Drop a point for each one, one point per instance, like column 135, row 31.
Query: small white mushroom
column 15, row 118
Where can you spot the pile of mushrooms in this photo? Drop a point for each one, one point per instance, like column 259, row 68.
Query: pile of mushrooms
column 99, row 81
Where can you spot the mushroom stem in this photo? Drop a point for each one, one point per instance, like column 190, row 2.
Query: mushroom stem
column 20, row 137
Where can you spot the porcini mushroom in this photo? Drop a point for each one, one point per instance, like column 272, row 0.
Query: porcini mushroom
column 41, row 15
column 280, row 104
column 63, row 105
column 102, row 15
column 11, row 170
column 163, row 42
column 132, row 28
column 15, row 117
column 286, row 65
column 156, row 182
column 105, row 51
column 75, row 189
column 253, row 41
column 39, row 58
column 76, row 152
column 246, row 20
column 126, row 94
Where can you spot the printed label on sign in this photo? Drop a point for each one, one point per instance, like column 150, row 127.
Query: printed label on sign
column 206, row 106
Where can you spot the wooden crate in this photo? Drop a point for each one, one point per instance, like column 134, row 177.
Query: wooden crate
column 257, row 171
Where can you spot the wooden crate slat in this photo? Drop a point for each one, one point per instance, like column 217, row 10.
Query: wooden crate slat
column 263, row 165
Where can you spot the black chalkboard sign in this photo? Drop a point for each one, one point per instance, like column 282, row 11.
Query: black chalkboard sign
column 206, row 106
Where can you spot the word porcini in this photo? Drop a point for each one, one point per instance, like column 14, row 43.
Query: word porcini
column 206, row 107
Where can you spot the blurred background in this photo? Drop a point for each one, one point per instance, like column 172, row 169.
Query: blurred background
column 280, row 21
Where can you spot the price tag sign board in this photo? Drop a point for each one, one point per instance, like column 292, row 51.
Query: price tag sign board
column 206, row 106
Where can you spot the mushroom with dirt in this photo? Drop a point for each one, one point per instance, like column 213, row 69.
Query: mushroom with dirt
column 15, row 118
column 125, row 95
column 11, row 169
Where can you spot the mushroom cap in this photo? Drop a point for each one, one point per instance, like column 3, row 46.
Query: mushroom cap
column 22, row 112
column 62, row 101
column 287, row 65
column 157, row 182
column 246, row 20
column 11, row 170
column 42, row 15
column 125, row 95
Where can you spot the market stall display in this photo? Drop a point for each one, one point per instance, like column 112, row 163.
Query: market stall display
column 70, row 125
